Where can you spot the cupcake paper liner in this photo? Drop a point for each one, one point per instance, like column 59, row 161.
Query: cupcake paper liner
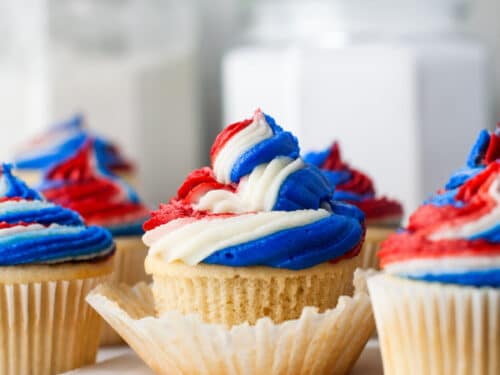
column 128, row 269
column 373, row 239
column 47, row 327
column 232, row 296
column 430, row 328
column 315, row 344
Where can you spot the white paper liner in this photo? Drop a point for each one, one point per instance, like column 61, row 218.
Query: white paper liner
column 47, row 328
column 129, row 269
column 317, row 343
column 430, row 328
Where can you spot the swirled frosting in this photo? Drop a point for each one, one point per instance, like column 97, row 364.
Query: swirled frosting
column 60, row 142
column 454, row 237
column 355, row 187
column 258, row 204
column 81, row 184
column 34, row 231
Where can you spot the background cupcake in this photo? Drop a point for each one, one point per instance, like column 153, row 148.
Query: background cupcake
column 60, row 142
column 383, row 215
column 49, row 261
column 80, row 183
column 437, row 307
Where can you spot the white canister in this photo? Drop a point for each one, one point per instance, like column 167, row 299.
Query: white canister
column 393, row 80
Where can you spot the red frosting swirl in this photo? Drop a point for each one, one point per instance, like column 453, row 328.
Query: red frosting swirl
column 375, row 208
column 197, row 183
column 78, row 184
column 416, row 241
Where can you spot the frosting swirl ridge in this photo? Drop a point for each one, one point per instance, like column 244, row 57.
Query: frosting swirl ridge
column 81, row 184
column 34, row 231
column 355, row 187
column 60, row 142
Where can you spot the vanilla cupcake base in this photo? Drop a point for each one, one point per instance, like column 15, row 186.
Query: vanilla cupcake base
column 129, row 269
column 32, row 177
column 130, row 178
column 175, row 344
column 431, row 328
column 233, row 295
column 46, row 327
column 373, row 239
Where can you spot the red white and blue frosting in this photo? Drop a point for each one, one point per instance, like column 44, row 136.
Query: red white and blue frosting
column 60, row 142
column 454, row 237
column 34, row 231
column 355, row 187
column 258, row 204
column 82, row 184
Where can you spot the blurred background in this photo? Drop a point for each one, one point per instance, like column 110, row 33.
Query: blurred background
column 404, row 85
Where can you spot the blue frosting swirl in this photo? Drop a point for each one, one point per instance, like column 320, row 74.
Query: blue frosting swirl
column 34, row 231
column 61, row 141
column 306, row 188
column 300, row 247
column 282, row 143
column 474, row 166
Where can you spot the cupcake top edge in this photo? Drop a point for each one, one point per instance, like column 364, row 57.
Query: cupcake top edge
column 355, row 187
column 60, row 142
column 34, row 231
column 82, row 184
column 258, row 204
column 454, row 237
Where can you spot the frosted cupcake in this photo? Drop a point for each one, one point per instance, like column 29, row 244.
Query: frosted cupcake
column 383, row 215
column 437, row 305
column 81, row 184
column 252, row 266
column 60, row 142
column 256, row 235
column 49, row 261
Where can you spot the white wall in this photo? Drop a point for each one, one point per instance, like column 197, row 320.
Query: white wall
column 484, row 22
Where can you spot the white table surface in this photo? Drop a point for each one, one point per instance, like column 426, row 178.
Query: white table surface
column 126, row 362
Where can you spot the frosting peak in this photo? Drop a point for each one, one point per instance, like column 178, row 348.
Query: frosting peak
column 34, row 231
column 454, row 237
column 245, row 145
column 80, row 183
column 355, row 187
column 259, row 204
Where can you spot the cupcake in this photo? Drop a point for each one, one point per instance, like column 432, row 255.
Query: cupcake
column 49, row 261
column 383, row 215
column 81, row 184
column 60, row 142
column 437, row 305
column 255, row 235
column 252, row 266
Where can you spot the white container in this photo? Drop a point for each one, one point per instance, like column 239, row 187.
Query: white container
column 128, row 66
column 405, row 103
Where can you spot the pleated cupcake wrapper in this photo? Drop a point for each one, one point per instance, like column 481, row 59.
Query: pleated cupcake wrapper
column 220, row 296
column 427, row 328
column 175, row 344
column 47, row 328
column 128, row 269
column 374, row 238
